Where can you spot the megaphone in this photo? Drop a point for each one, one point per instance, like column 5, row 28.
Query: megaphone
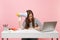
column 20, row 14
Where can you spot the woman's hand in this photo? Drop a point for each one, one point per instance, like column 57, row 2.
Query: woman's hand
column 37, row 28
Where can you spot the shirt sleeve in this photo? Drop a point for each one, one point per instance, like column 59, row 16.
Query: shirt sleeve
column 39, row 24
column 23, row 24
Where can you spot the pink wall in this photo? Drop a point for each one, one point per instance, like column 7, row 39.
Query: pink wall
column 44, row 10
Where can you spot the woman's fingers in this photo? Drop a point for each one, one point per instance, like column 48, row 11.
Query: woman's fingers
column 37, row 28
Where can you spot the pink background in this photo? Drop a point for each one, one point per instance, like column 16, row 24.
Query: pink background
column 44, row 10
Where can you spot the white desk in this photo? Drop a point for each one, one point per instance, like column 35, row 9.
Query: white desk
column 29, row 34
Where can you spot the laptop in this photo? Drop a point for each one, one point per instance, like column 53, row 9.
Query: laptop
column 49, row 26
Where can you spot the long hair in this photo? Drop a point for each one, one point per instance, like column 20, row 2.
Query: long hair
column 28, row 21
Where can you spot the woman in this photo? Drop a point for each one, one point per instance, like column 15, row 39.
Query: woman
column 31, row 22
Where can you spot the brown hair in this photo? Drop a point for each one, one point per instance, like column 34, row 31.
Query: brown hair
column 27, row 19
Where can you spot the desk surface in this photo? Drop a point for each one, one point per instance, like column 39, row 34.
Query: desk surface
column 29, row 34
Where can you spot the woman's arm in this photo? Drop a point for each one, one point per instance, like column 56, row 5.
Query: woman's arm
column 19, row 21
column 38, row 25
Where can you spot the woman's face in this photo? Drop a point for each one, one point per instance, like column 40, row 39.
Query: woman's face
column 30, row 16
